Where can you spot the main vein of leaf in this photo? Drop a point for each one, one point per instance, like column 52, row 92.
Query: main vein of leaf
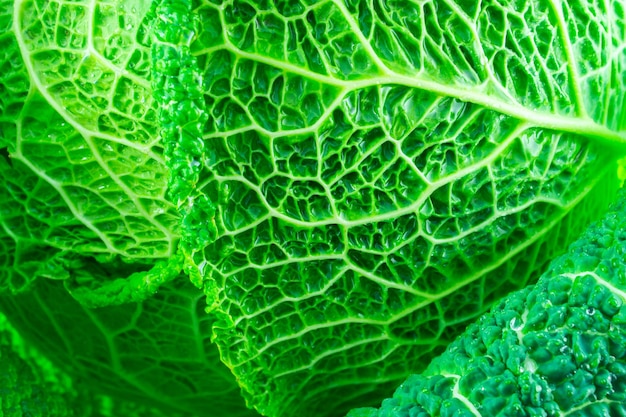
column 574, row 76
column 582, row 124
column 620, row 293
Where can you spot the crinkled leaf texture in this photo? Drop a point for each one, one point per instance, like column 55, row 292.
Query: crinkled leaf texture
column 369, row 176
column 82, row 202
column 553, row 349
column 83, row 188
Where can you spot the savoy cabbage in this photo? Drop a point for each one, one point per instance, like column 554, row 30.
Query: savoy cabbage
column 213, row 207
column 552, row 349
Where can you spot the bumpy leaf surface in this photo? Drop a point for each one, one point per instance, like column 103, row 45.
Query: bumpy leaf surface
column 82, row 201
column 373, row 174
column 554, row 349
column 82, row 176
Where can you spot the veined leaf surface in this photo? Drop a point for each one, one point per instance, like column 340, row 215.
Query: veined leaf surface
column 82, row 202
column 362, row 178
column 84, row 180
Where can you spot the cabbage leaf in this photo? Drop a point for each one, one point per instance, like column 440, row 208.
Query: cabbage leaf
column 358, row 180
column 84, row 219
column 348, row 183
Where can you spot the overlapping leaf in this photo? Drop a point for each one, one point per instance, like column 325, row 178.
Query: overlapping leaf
column 82, row 200
column 373, row 175
column 156, row 353
column 552, row 349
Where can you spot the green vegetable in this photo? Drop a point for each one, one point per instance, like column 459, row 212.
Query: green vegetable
column 32, row 386
column 83, row 189
column 347, row 183
column 29, row 387
column 555, row 348
column 359, row 181
column 157, row 353
column 83, row 213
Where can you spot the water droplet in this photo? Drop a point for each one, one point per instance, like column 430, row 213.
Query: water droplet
column 591, row 311
column 516, row 324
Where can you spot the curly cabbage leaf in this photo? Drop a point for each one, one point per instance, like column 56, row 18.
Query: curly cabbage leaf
column 82, row 177
column 553, row 349
column 351, row 183
column 360, row 179
column 82, row 202
column 31, row 385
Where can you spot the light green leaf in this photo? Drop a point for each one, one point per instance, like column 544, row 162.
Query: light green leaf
column 83, row 180
column 82, row 201
column 373, row 175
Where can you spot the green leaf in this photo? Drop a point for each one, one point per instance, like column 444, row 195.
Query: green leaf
column 30, row 386
column 156, row 354
column 555, row 348
column 84, row 219
column 82, row 176
column 374, row 175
